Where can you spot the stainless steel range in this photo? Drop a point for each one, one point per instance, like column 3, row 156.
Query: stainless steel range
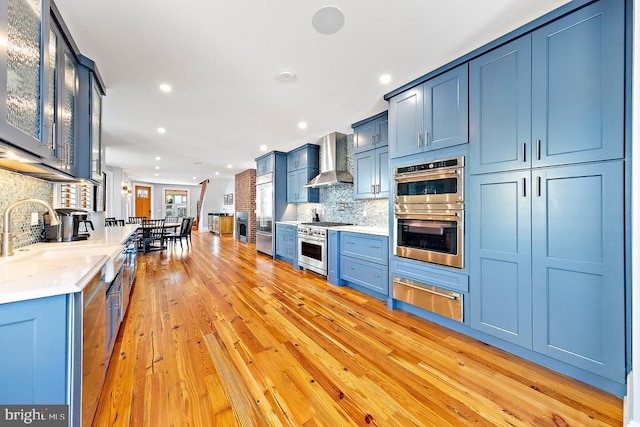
column 312, row 245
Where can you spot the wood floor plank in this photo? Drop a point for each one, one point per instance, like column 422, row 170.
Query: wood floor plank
column 218, row 335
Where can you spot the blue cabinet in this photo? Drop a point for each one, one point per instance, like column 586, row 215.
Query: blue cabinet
column 33, row 360
column 499, row 216
column 432, row 115
column 302, row 166
column 333, row 257
column 264, row 164
column 552, row 97
column 371, row 158
column 26, row 121
column 500, row 108
column 364, row 261
column 371, row 174
column 286, row 242
column 547, row 262
column 88, row 151
column 370, row 133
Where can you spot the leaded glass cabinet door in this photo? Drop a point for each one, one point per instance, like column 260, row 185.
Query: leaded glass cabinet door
column 21, row 69
column 96, row 123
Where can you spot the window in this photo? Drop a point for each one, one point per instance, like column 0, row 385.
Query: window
column 176, row 203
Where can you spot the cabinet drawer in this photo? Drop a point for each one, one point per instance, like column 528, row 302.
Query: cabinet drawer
column 366, row 274
column 440, row 301
column 425, row 272
column 365, row 246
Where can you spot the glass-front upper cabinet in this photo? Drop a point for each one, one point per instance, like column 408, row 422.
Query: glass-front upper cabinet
column 88, row 146
column 22, row 88
column 61, row 111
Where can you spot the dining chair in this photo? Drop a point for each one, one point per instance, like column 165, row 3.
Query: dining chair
column 172, row 219
column 110, row 222
column 191, row 220
column 136, row 219
column 180, row 234
column 152, row 231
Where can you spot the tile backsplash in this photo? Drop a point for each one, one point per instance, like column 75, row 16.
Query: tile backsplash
column 14, row 186
column 337, row 203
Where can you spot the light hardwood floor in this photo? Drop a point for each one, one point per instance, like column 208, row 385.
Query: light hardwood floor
column 217, row 335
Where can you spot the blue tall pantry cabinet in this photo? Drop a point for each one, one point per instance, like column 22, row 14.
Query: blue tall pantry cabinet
column 546, row 194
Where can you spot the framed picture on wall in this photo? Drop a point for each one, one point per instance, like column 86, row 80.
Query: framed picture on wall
column 228, row 199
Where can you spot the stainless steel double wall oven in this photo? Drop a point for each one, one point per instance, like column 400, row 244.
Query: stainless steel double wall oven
column 429, row 212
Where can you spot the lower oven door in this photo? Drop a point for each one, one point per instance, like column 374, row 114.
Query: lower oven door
column 312, row 253
column 433, row 236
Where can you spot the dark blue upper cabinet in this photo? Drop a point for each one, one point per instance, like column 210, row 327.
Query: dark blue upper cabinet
column 88, row 147
column 24, row 90
column 578, row 86
column 430, row 116
column 371, row 133
column 500, row 108
column 446, row 109
column 264, row 164
column 302, row 166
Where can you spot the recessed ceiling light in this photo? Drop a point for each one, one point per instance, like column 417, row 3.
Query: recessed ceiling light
column 229, row 166
column 302, row 125
column 194, row 177
column 385, row 79
column 155, row 175
column 286, row 76
column 165, row 87
column 158, row 158
column 263, row 147
column 217, row 173
column 157, row 167
column 328, row 20
column 162, row 130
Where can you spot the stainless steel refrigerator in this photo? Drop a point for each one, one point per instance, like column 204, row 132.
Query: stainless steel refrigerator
column 264, row 213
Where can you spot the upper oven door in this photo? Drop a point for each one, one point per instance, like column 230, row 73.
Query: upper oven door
column 430, row 187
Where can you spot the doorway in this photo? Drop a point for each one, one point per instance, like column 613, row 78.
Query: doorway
column 176, row 203
column 143, row 201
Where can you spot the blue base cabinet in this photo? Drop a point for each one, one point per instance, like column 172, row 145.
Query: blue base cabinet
column 33, row 361
column 547, row 262
column 364, row 261
column 286, row 243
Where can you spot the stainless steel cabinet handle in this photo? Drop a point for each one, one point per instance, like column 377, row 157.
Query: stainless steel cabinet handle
column 418, row 140
column 373, row 275
column 349, row 242
column 373, row 188
column 420, row 288
column 426, row 138
column 538, row 185
column 538, row 149
column 524, row 187
column 524, row 151
column 374, row 247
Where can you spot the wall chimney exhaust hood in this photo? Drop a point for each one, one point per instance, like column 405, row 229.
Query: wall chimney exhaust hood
column 28, row 165
column 333, row 161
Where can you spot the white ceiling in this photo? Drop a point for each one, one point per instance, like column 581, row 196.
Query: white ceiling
column 222, row 59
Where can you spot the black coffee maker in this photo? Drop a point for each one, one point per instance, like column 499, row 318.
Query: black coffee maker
column 67, row 230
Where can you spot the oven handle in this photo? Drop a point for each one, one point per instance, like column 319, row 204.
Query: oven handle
column 311, row 239
column 411, row 176
column 452, row 216
column 420, row 288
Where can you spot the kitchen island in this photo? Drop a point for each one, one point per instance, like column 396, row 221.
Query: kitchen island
column 55, row 319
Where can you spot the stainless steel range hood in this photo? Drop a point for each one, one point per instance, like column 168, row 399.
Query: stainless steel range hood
column 333, row 161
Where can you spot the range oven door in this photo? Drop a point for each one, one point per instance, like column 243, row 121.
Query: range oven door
column 432, row 236
column 444, row 186
column 312, row 253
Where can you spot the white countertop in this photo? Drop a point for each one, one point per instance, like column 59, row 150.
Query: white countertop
column 48, row 269
column 378, row 231
column 289, row 222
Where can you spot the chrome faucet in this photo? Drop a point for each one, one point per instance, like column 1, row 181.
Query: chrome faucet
column 7, row 238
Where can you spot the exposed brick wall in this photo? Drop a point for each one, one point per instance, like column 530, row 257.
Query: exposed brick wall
column 245, row 199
